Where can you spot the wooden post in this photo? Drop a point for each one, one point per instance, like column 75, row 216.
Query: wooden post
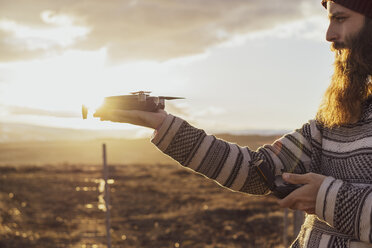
column 298, row 219
column 106, row 197
column 285, row 227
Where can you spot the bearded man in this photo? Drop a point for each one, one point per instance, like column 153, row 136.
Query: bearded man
column 331, row 156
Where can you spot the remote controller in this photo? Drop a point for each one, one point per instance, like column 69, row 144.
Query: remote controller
column 276, row 184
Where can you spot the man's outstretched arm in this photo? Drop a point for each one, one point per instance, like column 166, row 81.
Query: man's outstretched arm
column 228, row 164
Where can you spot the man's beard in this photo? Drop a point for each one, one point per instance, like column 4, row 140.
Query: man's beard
column 342, row 102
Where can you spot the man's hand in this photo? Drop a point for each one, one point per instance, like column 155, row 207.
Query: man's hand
column 135, row 117
column 303, row 198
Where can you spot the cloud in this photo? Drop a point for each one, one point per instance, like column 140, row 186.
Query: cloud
column 18, row 110
column 313, row 28
column 177, row 109
column 13, row 51
column 194, row 114
column 141, row 29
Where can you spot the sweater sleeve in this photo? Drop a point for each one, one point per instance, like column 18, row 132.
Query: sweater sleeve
column 346, row 207
column 227, row 163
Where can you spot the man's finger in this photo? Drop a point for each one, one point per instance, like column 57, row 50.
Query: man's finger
column 296, row 178
column 293, row 197
column 310, row 211
column 288, row 201
column 115, row 118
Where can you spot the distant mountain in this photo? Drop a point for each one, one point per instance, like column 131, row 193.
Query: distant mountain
column 14, row 132
column 27, row 144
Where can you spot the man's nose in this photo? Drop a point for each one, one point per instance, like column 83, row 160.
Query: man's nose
column 331, row 34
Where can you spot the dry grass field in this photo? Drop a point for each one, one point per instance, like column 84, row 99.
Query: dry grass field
column 153, row 205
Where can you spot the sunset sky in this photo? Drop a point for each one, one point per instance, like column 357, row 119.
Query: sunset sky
column 240, row 64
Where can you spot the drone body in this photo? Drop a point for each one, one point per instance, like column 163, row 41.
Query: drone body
column 140, row 100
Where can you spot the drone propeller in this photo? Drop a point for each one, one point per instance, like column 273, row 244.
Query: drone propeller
column 140, row 92
column 170, row 97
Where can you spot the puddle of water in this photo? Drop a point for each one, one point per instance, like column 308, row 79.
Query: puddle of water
column 101, row 189
column 85, row 188
column 101, row 203
column 14, row 211
column 101, row 196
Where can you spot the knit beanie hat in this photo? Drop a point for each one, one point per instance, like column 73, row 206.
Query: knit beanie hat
column 362, row 6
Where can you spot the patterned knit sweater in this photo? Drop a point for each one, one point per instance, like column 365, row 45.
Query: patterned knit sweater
column 343, row 214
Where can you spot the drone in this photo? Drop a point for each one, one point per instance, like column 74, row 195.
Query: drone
column 140, row 100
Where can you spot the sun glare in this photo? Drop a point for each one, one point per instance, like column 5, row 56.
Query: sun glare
column 64, row 83
column 61, row 83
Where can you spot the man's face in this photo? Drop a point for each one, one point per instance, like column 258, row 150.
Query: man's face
column 344, row 24
column 350, row 34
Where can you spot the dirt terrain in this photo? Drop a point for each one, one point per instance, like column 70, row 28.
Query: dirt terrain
column 152, row 205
